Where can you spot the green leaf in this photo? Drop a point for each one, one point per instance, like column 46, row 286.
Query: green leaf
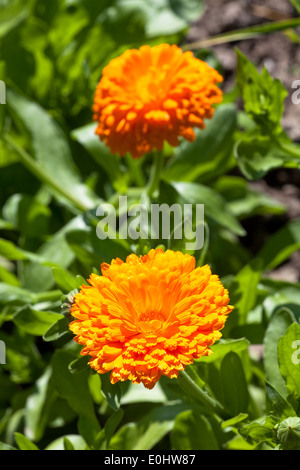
column 35, row 322
column 288, row 359
column 145, row 433
column 209, row 155
column 64, row 280
column 38, row 406
column 244, row 201
column 28, row 215
column 76, row 440
column 37, row 275
column 277, row 327
column 296, row 4
column 234, row 385
column 103, row 439
column 24, row 443
column 4, row 446
column 48, row 139
column 260, row 430
column 263, row 96
column 232, row 422
column 215, row 205
column 111, row 392
column 193, row 431
column 57, row 330
column 190, row 10
column 257, row 155
column 277, row 404
column 68, row 444
column 223, row 347
column 243, row 299
column 281, row 245
column 9, row 251
column 75, row 390
column 10, row 293
column 79, row 364
column 111, row 164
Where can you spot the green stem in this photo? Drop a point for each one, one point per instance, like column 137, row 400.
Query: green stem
column 246, row 33
column 192, row 389
column 155, row 173
column 36, row 169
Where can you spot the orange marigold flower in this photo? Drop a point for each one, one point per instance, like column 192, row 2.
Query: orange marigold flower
column 151, row 95
column 149, row 316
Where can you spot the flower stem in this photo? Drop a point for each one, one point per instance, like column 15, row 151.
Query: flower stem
column 192, row 389
column 155, row 173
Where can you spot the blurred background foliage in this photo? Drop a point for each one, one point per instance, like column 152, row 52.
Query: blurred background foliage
column 54, row 172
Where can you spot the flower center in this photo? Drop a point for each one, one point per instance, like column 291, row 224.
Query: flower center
column 151, row 322
column 152, row 86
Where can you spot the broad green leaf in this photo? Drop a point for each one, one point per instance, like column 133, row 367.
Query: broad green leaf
column 64, row 280
column 75, row 390
column 288, row 359
column 281, row 245
column 35, row 322
column 190, row 10
column 57, row 330
column 257, row 155
column 38, row 406
column 8, row 277
column 9, row 251
column 4, row 446
column 12, row 15
column 103, row 439
column 24, row 443
column 112, row 393
column 145, row 433
column 277, row 327
column 234, row 386
column 260, row 430
column 76, row 440
column 287, row 296
column 244, row 299
column 68, row 444
column 214, row 205
column 55, row 252
column 278, row 404
column 209, row 155
column 28, row 215
column 49, row 139
column 193, row 431
column 79, row 364
column 223, row 347
column 10, row 293
column 111, row 164
column 243, row 200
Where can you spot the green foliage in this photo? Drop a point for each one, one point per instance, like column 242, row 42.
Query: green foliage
column 54, row 172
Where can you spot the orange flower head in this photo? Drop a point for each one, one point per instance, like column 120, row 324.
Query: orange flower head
column 149, row 316
column 151, row 95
